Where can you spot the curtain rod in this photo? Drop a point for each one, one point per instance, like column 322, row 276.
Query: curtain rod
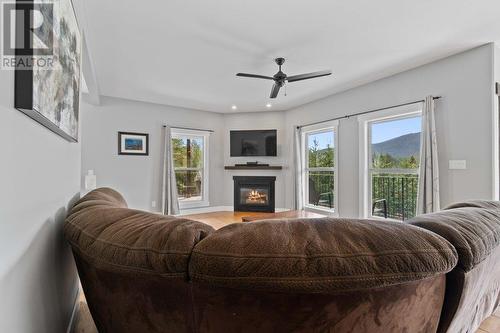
column 191, row 129
column 347, row 116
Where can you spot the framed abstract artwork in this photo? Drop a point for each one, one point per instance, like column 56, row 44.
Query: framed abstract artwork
column 48, row 90
column 130, row 143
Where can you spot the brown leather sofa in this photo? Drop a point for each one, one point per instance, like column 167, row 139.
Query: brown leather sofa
column 144, row 272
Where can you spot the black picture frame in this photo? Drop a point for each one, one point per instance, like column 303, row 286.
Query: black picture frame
column 23, row 82
column 123, row 151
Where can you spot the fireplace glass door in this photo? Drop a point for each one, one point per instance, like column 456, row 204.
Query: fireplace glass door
column 256, row 196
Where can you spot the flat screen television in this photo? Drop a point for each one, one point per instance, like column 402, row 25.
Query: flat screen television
column 253, row 143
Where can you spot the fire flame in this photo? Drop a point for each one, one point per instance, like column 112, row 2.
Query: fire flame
column 255, row 195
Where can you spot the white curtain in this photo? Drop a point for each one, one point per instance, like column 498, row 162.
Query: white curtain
column 428, row 184
column 170, row 202
column 298, row 172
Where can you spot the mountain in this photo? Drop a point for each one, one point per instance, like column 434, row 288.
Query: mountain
column 402, row 146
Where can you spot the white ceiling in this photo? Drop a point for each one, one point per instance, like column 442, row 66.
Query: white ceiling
column 187, row 52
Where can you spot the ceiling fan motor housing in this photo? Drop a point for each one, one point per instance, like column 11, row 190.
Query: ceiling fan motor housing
column 280, row 77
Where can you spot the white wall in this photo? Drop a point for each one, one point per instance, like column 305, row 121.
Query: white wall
column 463, row 120
column 263, row 120
column 496, row 120
column 497, row 62
column 139, row 178
column 40, row 178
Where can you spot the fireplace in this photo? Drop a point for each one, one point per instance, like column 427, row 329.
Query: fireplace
column 254, row 194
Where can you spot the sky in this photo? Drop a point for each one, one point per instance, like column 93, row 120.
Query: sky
column 392, row 129
column 380, row 131
column 324, row 139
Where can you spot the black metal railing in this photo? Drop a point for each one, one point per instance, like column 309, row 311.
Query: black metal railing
column 321, row 188
column 399, row 192
column 394, row 196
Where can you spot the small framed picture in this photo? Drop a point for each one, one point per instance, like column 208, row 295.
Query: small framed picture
column 133, row 143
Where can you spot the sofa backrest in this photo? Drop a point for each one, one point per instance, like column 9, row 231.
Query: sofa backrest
column 473, row 287
column 320, row 275
column 144, row 272
column 319, row 255
column 133, row 265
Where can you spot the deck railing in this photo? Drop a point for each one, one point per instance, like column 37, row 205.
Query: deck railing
column 399, row 192
column 323, row 183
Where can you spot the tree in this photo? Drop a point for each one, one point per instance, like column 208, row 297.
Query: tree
column 325, row 157
column 187, row 153
column 323, row 180
column 384, row 161
column 313, row 154
column 408, row 163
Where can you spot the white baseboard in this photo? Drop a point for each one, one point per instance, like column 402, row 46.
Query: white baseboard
column 216, row 209
column 206, row 210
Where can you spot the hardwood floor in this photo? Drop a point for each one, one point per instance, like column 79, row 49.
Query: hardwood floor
column 220, row 219
column 491, row 324
column 83, row 320
column 289, row 214
column 85, row 324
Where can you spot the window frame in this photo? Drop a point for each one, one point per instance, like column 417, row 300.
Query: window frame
column 365, row 167
column 315, row 129
column 204, row 202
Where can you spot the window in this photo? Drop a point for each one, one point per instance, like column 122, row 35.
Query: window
column 320, row 168
column 393, row 160
column 190, row 151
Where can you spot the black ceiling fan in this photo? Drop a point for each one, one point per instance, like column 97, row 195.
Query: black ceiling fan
column 281, row 78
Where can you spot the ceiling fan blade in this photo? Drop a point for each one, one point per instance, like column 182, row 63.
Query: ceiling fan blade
column 255, row 76
column 274, row 91
column 312, row 75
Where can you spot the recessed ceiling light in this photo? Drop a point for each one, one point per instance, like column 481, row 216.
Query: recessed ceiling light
column 234, row 107
column 268, row 105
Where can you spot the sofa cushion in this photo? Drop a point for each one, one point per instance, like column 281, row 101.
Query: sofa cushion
column 319, row 255
column 106, row 233
column 473, row 231
column 475, row 203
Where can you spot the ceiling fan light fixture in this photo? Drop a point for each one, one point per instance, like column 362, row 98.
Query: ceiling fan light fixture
column 234, row 107
column 269, row 105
